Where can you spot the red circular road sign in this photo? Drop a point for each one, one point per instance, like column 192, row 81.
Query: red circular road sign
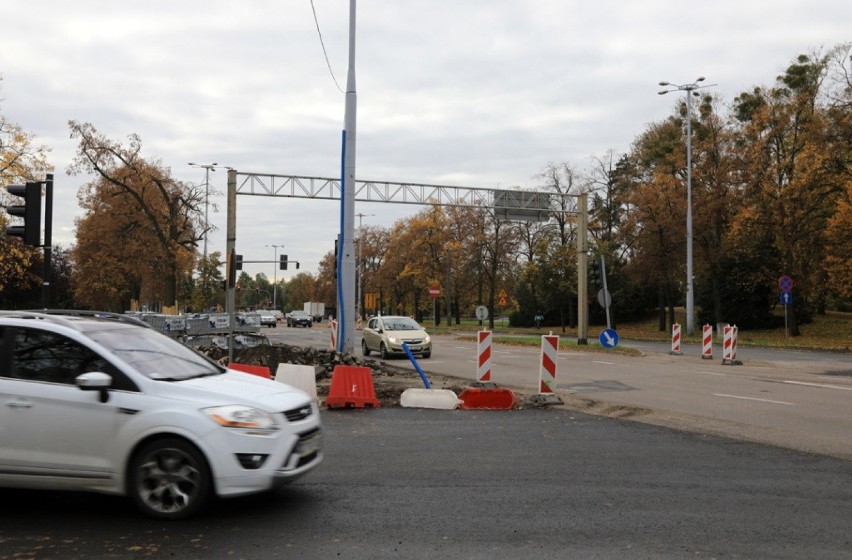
column 435, row 292
column 785, row 283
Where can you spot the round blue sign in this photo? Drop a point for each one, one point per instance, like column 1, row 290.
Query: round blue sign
column 608, row 338
column 785, row 283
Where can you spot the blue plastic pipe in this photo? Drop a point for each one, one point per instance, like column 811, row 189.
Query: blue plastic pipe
column 339, row 264
column 416, row 365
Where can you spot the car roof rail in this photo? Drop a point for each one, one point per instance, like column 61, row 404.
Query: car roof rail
column 35, row 314
column 62, row 315
column 106, row 315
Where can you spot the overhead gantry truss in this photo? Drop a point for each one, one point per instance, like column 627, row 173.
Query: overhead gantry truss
column 511, row 204
column 519, row 204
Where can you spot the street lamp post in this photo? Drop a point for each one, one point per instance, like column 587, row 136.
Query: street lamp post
column 208, row 167
column 690, row 90
column 275, row 272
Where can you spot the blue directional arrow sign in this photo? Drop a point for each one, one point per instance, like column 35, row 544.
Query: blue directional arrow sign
column 786, row 298
column 608, row 338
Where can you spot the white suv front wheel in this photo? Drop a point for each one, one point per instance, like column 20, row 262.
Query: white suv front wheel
column 170, row 479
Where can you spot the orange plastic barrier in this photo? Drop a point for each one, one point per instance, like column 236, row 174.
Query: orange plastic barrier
column 260, row 371
column 499, row 399
column 352, row 386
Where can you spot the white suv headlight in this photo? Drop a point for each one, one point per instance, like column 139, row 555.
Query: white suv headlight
column 240, row 416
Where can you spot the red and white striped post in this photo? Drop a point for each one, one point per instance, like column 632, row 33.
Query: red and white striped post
column 734, row 351
column 707, row 346
column 332, row 324
column 549, row 357
column 676, row 339
column 483, row 353
column 729, row 348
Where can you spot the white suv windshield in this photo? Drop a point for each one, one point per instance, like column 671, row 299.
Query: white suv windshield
column 155, row 355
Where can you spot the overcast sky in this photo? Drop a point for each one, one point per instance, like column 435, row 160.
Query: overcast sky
column 476, row 93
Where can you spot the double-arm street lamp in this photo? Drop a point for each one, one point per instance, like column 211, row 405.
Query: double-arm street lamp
column 208, row 167
column 690, row 90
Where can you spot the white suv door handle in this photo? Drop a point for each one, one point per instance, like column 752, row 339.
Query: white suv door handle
column 19, row 404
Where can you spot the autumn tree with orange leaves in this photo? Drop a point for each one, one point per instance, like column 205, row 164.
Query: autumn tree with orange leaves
column 141, row 227
column 795, row 166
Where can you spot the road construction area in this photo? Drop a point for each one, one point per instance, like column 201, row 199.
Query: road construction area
column 790, row 399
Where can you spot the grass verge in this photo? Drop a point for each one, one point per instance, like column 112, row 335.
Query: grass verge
column 832, row 332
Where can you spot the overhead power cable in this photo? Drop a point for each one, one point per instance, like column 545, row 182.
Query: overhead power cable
column 325, row 54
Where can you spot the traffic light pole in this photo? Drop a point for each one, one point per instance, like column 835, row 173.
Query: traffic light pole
column 280, row 262
column 30, row 232
column 230, row 242
column 48, row 240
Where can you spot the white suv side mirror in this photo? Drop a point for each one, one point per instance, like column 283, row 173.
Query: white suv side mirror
column 95, row 381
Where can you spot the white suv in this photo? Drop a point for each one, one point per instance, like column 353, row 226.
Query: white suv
column 101, row 402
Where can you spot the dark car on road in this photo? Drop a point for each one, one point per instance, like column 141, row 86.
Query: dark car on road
column 296, row 318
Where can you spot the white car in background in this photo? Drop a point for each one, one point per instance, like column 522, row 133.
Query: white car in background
column 268, row 319
column 102, row 402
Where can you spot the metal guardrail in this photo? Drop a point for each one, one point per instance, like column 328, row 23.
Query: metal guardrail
column 206, row 329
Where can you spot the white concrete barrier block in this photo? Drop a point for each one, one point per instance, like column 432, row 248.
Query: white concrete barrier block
column 300, row 377
column 429, row 398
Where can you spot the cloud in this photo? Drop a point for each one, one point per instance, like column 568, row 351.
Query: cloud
column 463, row 92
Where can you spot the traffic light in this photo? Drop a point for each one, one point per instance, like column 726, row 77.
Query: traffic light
column 231, row 268
column 335, row 259
column 30, row 211
column 283, row 264
column 239, row 261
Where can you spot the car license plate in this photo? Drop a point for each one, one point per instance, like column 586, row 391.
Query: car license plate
column 309, row 444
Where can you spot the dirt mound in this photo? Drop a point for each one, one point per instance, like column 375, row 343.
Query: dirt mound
column 389, row 381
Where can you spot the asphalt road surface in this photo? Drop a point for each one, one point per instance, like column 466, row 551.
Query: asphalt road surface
column 407, row 483
column 798, row 400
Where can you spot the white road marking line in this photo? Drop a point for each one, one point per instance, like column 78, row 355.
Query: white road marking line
column 711, row 373
column 752, row 399
column 605, row 363
column 823, row 385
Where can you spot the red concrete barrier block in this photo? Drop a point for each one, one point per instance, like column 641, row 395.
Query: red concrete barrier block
column 352, row 386
column 260, row 371
column 497, row 399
